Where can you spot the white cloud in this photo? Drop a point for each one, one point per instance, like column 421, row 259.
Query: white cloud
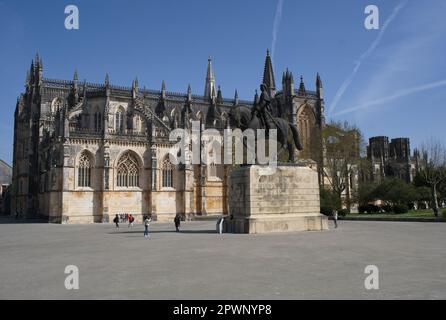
column 398, row 94
column 276, row 25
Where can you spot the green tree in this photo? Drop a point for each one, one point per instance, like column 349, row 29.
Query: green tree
column 423, row 193
column 342, row 155
column 433, row 172
column 329, row 201
column 394, row 191
column 366, row 193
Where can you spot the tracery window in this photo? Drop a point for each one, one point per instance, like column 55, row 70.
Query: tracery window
column 57, row 105
column 119, row 120
column 167, row 170
column 97, row 121
column 154, row 169
column 128, row 171
column 84, row 170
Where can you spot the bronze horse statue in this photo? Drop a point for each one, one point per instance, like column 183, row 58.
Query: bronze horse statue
column 243, row 118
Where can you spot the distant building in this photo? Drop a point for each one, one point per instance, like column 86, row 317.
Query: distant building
column 392, row 159
column 5, row 182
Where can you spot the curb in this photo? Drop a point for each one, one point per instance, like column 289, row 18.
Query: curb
column 393, row 219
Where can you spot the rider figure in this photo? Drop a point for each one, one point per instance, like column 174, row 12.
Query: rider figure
column 263, row 106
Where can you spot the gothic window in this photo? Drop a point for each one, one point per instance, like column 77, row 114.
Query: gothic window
column 84, row 171
column 86, row 118
column 128, row 171
column 154, row 169
column 167, row 170
column 56, row 105
column 97, row 121
column 119, row 120
column 137, row 123
column 307, row 123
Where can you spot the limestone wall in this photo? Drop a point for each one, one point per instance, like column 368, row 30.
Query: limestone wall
column 280, row 200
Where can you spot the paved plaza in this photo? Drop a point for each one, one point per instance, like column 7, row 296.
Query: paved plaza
column 201, row 264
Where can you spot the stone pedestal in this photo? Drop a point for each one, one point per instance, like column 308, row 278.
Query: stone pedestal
column 282, row 199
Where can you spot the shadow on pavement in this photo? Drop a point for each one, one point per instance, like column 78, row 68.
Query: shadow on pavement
column 12, row 220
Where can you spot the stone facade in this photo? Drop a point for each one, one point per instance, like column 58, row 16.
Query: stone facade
column 282, row 199
column 84, row 152
column 392, row 159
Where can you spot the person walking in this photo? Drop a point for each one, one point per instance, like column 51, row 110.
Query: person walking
column 116, row 221
column 177, row 221
column 335, row 218
column 131, row 220
column 147, row 221
column 220, row 224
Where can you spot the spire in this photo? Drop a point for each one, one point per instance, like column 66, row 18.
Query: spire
column 74, row 90
column 107, row 80
column 38, row 70
column 31, row 69
column 219, row 96
column 268, row 75
column 288, row 83
column 256, row 98
column 28, row 79
column 85, row 90
column 163, row 90
column 301, row 87
column 189, row 93
column 37, row 60
column 209, row 89
column 318, row 81
column 135, row 88
column 319, row 88
column 236, row 97
column 213, row 95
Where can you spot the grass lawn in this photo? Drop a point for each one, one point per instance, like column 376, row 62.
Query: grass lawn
column 410, row 214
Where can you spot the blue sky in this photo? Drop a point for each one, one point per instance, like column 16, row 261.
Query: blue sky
column 388, row 82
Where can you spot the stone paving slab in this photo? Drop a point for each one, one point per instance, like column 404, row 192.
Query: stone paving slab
column 201, row 264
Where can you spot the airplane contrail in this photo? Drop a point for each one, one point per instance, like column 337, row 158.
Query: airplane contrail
column 277, row 19
column 398, row 94
column 364, row 56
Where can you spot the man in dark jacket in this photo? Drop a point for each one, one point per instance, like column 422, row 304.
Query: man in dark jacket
column 116, row 221
column 177, row 221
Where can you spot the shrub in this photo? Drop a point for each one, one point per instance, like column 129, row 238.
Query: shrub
column 343, row 212
column 362, row 209
column 443, row 213
column 329, row 202
column 386, row 208
column 400, row 208
column 327, row 211
column 371, row 208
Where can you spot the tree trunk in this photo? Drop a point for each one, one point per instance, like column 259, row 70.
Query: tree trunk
column 435, row 200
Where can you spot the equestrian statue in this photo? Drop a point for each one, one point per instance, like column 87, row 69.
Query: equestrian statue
column 261, row 116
